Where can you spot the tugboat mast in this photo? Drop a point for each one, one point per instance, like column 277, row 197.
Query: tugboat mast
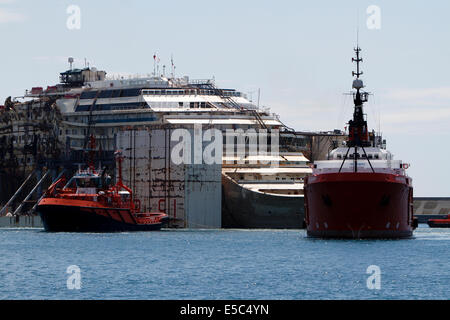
column 358, row 133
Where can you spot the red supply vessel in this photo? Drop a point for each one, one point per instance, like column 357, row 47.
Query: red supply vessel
column 88, row 202
column 360, row 191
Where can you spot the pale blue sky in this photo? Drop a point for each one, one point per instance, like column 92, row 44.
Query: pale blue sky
column 298, row 53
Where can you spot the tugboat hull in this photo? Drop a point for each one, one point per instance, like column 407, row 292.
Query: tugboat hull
column 359, row 205
column 433, row 224
column 439, row 223
column 68, row 218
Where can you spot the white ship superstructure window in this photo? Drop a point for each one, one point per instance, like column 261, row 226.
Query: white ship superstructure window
column 203, row 92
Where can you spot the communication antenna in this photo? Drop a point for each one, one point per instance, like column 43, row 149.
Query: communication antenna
column 259, row 96
column 358, row 60
column 158, row 60
column 357, row 27
column 173, row 66
column 70, row 62
column 154, row 64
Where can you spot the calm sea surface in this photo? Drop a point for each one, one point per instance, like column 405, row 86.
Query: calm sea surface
column 221, row 264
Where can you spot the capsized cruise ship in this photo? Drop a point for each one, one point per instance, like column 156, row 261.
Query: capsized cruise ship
column 49, row 128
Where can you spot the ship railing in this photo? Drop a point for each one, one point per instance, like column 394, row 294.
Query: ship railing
column 362, row 163
column 398, row 171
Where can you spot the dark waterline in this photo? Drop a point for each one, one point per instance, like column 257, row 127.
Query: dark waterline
column 221, row 264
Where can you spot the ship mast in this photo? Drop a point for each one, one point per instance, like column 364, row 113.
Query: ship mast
column 358, row 134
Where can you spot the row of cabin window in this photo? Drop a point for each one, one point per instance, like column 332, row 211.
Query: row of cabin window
column 117, row 93
column 105, row 94
column 193, row 105
column 358, row 156
column 108, row 107
column 276, row 178
column 191, row 92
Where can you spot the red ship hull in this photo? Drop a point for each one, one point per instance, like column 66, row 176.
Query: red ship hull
column 359, row 205
column 65, row 215
column 439, row 223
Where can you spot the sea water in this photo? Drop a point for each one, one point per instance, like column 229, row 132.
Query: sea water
column 221, row 264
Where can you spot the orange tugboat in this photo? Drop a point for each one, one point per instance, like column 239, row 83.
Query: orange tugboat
column 89, row 203
column 361, row 191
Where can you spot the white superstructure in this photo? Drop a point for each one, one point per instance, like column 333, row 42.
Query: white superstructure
column 373, row 159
